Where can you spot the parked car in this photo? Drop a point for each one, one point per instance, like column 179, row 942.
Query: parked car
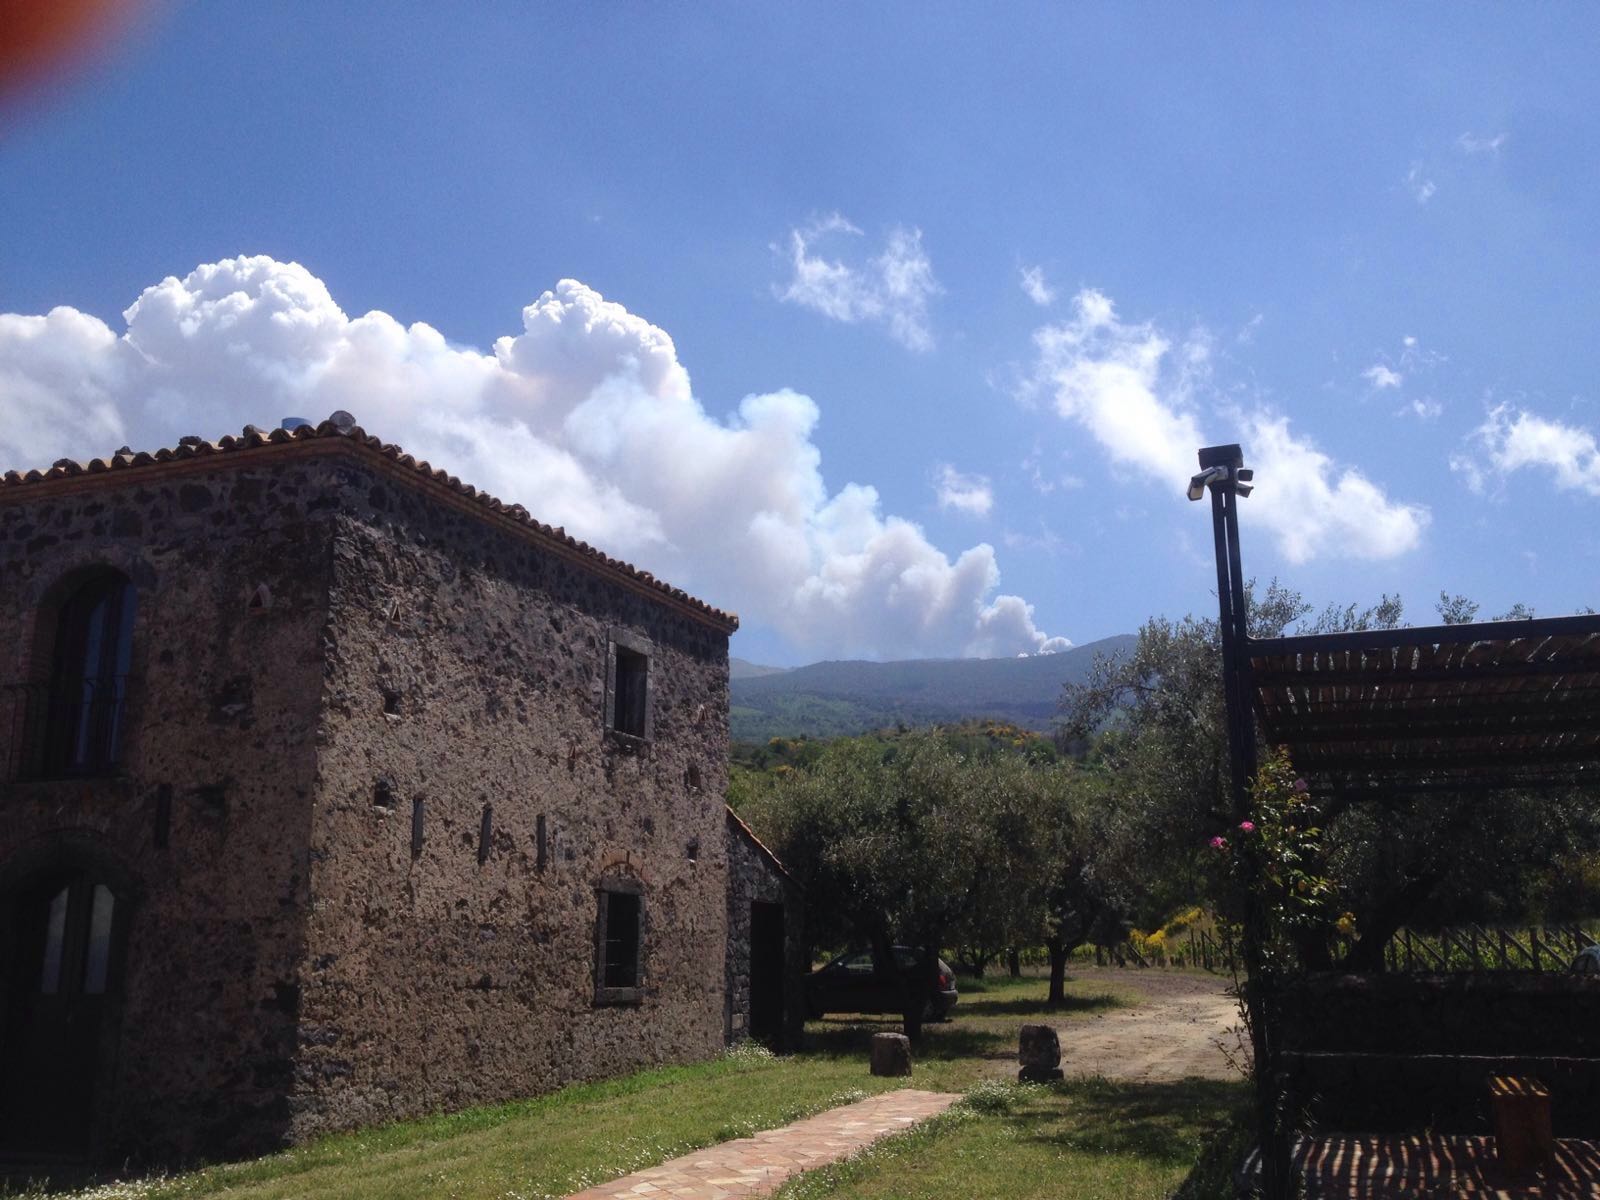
column 1587, row 962
column 853, row 983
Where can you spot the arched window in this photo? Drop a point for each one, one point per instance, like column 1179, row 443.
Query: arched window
column 89, row 676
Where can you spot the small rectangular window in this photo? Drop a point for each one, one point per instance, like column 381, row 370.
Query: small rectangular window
column 619, row 935
column 631, row 692
column 622, row 940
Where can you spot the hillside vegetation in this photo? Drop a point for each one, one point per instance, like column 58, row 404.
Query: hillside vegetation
column 832, row 699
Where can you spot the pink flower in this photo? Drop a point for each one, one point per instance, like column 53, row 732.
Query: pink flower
column 1300, row 785
column 1219, row 843
column 1247, row 826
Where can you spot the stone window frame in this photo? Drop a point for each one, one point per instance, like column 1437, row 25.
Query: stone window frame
column 633, row 643
column 608, row 887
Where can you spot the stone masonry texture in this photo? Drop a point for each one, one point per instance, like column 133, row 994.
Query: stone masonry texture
column 369, row 806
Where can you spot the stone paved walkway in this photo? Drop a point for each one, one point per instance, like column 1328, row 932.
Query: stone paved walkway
column 755, row 1166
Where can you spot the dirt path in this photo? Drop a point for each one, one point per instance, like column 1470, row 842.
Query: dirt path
column 1172, row 1034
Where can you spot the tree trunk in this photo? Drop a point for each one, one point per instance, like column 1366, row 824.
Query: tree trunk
column 1014, row 961
column 917, row 985
column 1058, row 972
column 1367, row 953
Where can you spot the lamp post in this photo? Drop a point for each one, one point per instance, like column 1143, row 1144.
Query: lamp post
column 1224, row 475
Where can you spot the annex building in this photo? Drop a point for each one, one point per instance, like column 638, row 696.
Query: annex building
column 336, row 791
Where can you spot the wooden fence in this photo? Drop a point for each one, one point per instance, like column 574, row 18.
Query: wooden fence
column 1480, row 948
column 1463, row 948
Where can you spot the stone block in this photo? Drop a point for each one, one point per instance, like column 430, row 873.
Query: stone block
column 891, row 1054
column 1039, row 1052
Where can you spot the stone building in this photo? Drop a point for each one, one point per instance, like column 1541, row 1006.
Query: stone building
column 767, row 951
column 337, row 791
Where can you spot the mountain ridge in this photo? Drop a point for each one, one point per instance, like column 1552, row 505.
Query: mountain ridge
column 849, row 696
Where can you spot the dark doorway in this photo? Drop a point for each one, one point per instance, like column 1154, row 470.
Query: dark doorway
column 767, row 954
column 63, row 976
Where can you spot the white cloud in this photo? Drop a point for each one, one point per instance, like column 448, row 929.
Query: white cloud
column 1036, row 288
column 1417, row 183
column 1136, row 394
column 1045, row 482
column 966, row 493
column 893, row 287
column 586, row 417
column 1415, row 359
column 1427, row 409
column 1380, row 377
column 1517, row 440
column 1472, row 143
column 1105, row 375
column 1316, row 509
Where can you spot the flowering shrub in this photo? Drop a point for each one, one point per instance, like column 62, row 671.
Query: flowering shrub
column 1276, row 855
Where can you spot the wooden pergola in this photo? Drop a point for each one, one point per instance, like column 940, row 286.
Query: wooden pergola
column 1488, row 706
column 1485, row 707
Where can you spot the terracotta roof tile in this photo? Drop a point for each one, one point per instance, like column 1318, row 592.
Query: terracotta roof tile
column 739, row 826
column 342, row 425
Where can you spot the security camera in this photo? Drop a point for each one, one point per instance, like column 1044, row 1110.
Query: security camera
column 1198, row 485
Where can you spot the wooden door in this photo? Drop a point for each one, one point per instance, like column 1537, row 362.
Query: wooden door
column 62, row 973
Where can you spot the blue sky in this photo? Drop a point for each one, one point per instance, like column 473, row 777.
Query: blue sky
column 1361, row 241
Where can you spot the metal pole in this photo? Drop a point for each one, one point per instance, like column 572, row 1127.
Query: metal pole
column 1223, row 474
column 1241, row 637
column 1228, row 629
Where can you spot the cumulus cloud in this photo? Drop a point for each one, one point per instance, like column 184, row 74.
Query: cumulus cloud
column 586, row 416
column 966, row 493
column 1036, row 288
column 1136, row 392
column 1516, row 439
column 892, row 288
column 1381, row 377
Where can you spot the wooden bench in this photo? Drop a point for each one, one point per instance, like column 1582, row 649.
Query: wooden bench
column 1519, row 1106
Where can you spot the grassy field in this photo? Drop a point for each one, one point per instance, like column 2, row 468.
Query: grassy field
column 1085, row 1137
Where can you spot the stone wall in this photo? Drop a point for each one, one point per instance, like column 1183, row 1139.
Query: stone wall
column 466, row 676
column 205, row 830
column 753, row 875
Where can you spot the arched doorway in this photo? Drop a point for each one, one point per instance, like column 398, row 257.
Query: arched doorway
column 65, row 938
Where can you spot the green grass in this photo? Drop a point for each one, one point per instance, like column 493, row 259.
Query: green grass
column 1084, row 1138
column 1136, row 1141
column 547, row 1146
